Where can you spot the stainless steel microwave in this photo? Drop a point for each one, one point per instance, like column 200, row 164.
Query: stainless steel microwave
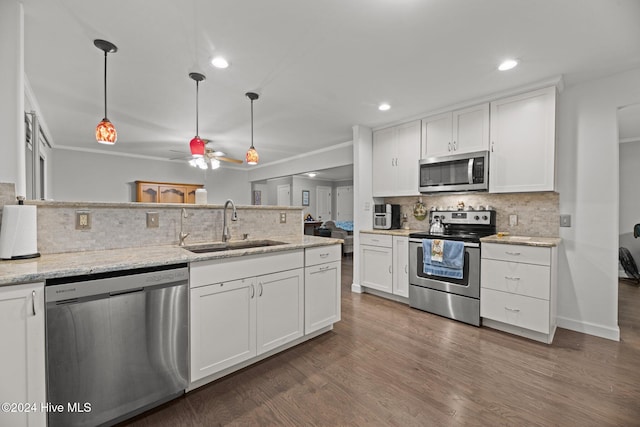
column 459, row 172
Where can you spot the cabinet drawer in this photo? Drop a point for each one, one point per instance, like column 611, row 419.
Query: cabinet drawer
column 516, row 278
column 525, row 312
column 517, row 253
column 322, row 254
column 384, row 240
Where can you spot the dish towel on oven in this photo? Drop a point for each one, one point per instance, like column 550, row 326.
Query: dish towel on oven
column 452, row 255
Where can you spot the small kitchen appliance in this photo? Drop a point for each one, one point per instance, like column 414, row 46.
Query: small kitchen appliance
column 455, row 173
column 19, row 232
column 457, row 299
column 386, row 216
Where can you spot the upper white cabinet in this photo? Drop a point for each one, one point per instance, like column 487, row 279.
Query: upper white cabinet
column 522, row 153
column 396, row 151
column 456, row 132
column 22, row 365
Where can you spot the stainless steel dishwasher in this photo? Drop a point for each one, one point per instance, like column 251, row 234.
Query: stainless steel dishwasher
column 116, row 344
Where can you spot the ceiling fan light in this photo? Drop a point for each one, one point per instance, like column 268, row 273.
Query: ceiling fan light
column 252, row 156
column 215, row 163
column 193, row 162
column 197, row 147
column 106, row 132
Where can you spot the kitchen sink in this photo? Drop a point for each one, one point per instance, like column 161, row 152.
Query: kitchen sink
column 228, row 246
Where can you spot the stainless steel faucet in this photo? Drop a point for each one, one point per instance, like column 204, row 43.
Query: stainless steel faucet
column 183, row 235
column 226, row 235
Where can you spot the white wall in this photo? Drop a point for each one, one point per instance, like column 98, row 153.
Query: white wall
column 629, row 197
column 300, row 183
column 587, row 171
column 88, row 176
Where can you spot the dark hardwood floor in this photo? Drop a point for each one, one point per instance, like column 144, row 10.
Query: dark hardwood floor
column 387, row 364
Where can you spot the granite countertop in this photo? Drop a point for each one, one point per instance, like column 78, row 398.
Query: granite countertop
column 546, row 242
column 49, row 266
column 396, row 232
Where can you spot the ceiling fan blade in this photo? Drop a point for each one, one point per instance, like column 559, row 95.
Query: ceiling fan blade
column 228, row 159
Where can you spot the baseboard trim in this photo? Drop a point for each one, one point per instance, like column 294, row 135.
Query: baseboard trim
column 356, row 288
column 590, row 328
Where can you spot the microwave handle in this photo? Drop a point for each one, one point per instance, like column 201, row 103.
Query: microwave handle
column 470, row 170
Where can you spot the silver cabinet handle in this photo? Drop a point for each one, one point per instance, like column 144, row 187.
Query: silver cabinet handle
column 33, row 302
column 512, row 253
column 492, row 142
column 405, row 268
column 253, row 290
column 449, row 146
column 512, row 278
column 324, row 255
column 260, row 289
column 375, row 240
column 454, row 146
column 515, row 310
column 390, row 270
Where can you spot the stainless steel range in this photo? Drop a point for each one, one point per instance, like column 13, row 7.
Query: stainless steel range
column 454, row 298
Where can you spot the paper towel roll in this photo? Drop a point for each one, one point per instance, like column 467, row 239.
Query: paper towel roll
column 201, row 196
column 19, row 232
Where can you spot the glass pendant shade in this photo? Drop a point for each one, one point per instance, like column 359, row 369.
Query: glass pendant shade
column 106, row 132
column 252, row 156
column 197, row 147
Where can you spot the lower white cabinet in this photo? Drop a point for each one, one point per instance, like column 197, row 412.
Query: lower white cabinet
column 518, row 289
column 384, row 263
column 22, row 359
column 237, row 318
column 322, row 277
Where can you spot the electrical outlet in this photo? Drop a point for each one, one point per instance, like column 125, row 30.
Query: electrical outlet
column 513, row 220
column 283, row 217
column 83, row 220
column 152, row 219
column 565, row 220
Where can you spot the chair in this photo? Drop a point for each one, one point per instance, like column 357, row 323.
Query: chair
column 339, row 233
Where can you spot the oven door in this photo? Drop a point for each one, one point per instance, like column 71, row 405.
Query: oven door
column 468, row 286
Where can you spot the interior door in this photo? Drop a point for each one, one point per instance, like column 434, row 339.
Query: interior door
column 344, row 203
column 284, row 195
column 323, row 196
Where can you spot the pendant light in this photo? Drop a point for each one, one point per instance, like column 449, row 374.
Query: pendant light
column 105, row 131
column 252, row 155
column 197, row 144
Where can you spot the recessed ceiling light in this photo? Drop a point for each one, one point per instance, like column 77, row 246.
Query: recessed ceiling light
column 219, row 62
column 507, row 64
column 311, row 174
column 384, row 107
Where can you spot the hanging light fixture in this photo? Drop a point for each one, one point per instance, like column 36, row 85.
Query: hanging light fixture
column 105, row 131
column 197, row 144
column 252, row 155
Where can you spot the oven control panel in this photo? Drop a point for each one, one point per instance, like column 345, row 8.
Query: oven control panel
column 464, row 217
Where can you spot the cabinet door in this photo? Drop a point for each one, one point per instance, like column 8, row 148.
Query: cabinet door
column 375, row 267
column 321, row 296
column 523, row 143
column 401, row 266
column 471, row 129
column 172, row 194
column 383, row 163
column 407, row 159
column 223, row 331
column 147, row 193
column 190, row 196
column 279, row 308
column 22, row 360
column 436, row 136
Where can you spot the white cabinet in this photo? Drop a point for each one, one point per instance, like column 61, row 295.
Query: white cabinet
column 401, row 266
column 376, row 259
column 322, row 278
column 22, row 360
column 518, row 288
column 384, row 263
column 242, row 307
column 396, row 151
column 522, row 153
column 456, row 132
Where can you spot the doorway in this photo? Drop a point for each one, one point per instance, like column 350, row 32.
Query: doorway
column 323, row 199
column 284, row 195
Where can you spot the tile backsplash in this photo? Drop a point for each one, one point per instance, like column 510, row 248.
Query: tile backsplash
column 538, row 214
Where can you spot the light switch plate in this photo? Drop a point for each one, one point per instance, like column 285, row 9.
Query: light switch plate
column 565, row 220
column 513, row 220
column 83, row 220
column 283, row 217
column 152, row 219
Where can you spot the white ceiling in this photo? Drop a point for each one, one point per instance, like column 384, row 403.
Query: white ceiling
column 320, row 66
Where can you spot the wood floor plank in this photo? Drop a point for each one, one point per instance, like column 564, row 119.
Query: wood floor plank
column 386, row 364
